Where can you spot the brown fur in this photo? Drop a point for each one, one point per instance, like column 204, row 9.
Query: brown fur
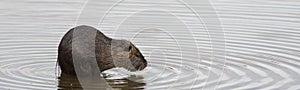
column 109, row 53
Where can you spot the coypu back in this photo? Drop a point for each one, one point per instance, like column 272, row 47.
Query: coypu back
column 65, row 49
column 108, row 52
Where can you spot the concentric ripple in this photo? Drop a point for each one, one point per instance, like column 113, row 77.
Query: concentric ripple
column 23, row 67
column 262, row 44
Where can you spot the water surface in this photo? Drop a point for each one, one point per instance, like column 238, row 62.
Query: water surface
column 262, row 44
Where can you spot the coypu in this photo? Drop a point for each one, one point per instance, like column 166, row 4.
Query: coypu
column 109, row 53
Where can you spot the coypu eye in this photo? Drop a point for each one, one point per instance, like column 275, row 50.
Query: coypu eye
column 129, row 48
column 137, row 55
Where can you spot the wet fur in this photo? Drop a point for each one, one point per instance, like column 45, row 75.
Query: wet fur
column 109, row 52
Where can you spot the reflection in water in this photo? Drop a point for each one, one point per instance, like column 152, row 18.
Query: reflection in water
column 132, row 82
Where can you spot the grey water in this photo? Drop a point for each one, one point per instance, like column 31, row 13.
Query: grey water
column 260, row 44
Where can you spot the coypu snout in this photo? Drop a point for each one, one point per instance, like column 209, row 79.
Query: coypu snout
column 126, row 55
column 137, row 59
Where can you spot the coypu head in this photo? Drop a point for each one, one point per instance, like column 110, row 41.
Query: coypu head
column 126, row 55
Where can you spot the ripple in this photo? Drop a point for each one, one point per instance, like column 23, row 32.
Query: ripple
column 27, row 73
column 262, row 44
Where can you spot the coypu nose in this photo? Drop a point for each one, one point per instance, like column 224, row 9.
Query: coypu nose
column 145, row 63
